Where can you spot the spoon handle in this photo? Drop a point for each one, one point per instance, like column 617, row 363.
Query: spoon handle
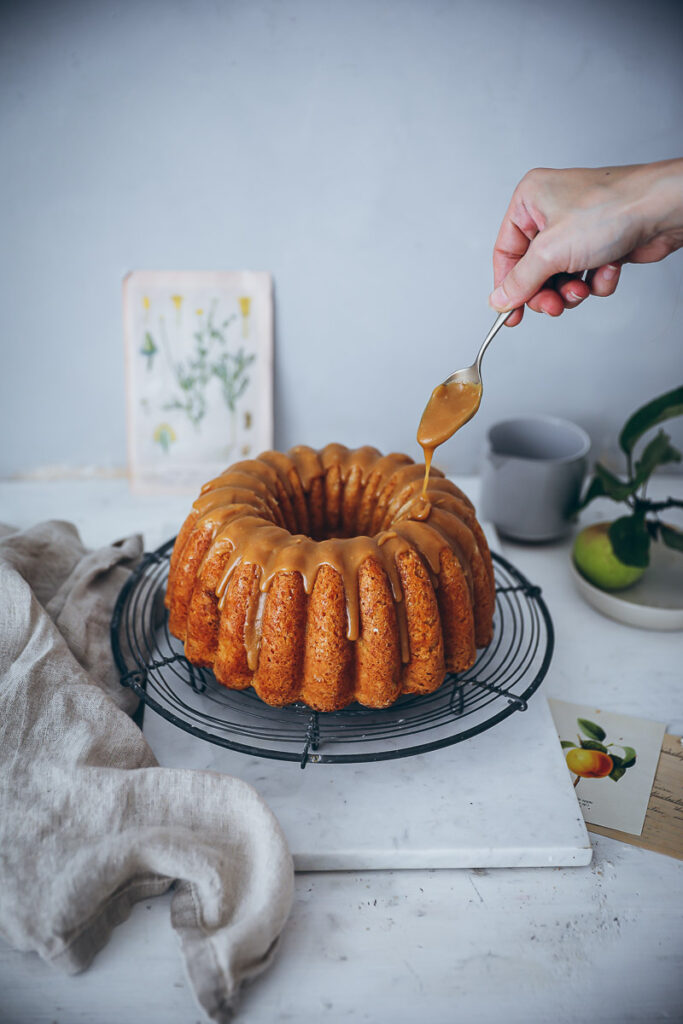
column 500, row 320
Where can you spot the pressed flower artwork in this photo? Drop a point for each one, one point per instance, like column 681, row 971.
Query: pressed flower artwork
column 199, row 362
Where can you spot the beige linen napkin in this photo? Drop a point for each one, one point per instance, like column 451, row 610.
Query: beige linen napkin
column 89, row 824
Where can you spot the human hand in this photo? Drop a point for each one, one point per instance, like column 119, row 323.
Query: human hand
column 564, row 224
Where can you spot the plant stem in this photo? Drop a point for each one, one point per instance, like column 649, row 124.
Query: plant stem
column 656, row 506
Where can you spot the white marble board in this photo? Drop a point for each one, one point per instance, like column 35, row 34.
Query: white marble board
column 503, row 798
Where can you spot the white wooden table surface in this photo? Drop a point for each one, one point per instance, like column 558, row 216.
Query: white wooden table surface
column 601, row 943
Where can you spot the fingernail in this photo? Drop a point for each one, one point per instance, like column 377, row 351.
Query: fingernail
column 499, row 300
column 610, row 272
column 573, row 297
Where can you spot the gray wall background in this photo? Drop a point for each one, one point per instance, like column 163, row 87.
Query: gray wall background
column 364, row 153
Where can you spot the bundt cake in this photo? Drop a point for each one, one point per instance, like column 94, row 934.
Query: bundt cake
column 323, row 577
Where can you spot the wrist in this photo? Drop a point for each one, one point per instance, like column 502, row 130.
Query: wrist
column 659, row 205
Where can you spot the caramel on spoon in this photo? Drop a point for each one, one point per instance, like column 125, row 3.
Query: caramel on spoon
column 452, row 404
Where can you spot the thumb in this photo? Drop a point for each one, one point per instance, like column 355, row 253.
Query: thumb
column 526, row 278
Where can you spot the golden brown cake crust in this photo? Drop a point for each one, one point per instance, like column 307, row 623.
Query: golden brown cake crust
column 317, row 576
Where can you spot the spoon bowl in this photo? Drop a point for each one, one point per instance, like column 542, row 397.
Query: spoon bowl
column 453, row 403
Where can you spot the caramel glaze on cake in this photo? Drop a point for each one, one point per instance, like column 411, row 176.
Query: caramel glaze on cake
column 316, row 576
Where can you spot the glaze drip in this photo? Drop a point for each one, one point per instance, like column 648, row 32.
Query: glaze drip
column 450, row 407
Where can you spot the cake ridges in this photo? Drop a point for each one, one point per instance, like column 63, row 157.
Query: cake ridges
column 268, row 529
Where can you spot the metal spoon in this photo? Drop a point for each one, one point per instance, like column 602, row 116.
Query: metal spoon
column 455, row 401
column 451, row 405
column 472, row 374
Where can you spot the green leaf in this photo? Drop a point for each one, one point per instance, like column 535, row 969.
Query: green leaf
column 595, row 490
column 591, row 729
column 659, row 409
column 617, row 773
column 606, row 485
column 593, row 745
column 658, row 452
column 566, row 744
column 630, row 540
column 629, row 756
column 672, row 537
column 617, row 762
column 613, row 487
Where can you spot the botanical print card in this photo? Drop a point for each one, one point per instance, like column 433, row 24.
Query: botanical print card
column 613, row 759
column 199, row 374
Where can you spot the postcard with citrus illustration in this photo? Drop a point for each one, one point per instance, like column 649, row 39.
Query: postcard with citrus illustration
column 612, row 759
column 199, row 374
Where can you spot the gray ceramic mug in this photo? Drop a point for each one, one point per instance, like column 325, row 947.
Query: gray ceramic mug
column 532, row 476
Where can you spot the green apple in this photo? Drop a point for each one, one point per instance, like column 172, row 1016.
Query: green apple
column 595, row 559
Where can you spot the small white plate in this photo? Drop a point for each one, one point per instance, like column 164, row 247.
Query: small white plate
column 654, row 602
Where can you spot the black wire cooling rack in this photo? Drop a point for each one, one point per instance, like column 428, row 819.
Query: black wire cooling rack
column 151, row 662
